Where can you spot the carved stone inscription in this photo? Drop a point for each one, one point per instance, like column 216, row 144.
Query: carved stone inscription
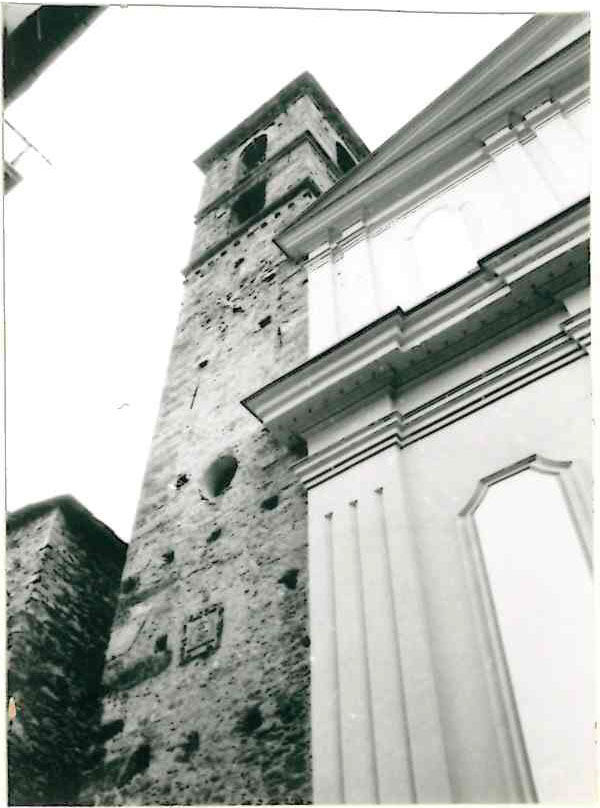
column 202, row 633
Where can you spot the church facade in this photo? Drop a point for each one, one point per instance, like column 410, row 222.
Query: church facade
column 364, row 536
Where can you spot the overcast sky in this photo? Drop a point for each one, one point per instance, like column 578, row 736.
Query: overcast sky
column 94, row 244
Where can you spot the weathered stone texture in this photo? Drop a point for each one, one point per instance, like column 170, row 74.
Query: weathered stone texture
column 63, row 575
column 301, row 115
column 230, row 726
column 207, row 673
column 303, row 165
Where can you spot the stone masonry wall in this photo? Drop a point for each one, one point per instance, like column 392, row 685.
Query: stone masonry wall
column 207, row 678
column 230, row 724
column 299, row 116
column 62, row 586
column 280, row 176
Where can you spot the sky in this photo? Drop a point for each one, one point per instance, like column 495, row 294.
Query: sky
column 95, row 243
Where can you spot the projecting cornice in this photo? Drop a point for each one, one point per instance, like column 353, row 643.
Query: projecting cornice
column 521, row 281
column 376, row 182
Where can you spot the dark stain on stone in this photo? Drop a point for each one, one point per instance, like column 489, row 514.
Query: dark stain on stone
column 270, row 503
column 138, row 762
column 251, row 720
column 214, row 535
column 129, row 584
column 108, row 731
column 125, row 604
column 182, row 480
column 297, row 446
column 291, row 708
column 295, row 763
column 125, row 678
column 289, row 578
column 188, row 747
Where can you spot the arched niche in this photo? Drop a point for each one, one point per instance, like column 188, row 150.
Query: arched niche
column 443, row 249
column 527, row 541
column 219, row 475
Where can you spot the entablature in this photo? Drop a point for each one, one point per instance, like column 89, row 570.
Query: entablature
column 454, row 152
column 527, row 279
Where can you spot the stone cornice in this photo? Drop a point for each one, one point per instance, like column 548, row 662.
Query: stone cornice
column 307, row 184
column 418, row 165
column 535, row 42
column 405, row 428
column 513, row 285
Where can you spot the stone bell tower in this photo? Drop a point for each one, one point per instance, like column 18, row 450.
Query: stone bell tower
column 207, row 682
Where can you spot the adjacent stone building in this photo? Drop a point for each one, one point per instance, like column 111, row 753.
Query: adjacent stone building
column 63, row 574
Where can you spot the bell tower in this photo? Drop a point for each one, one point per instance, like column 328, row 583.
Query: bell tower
column 207, row 679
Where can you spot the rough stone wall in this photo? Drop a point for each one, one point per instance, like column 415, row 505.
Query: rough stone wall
column 281, row 176
column 299, row 116
column 228, row 725
column 62, row 590
column 207, row 678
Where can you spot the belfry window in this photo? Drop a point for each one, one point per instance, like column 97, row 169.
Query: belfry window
column 344, row 159
column 254, row 153
column 250, row 202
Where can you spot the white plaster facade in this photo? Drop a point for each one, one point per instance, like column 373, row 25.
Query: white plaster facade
column 449, row 342
column 449, row 217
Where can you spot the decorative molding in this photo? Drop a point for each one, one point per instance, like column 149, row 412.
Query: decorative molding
column 510, row 736
column 405, row 428
column 419, row 162
column 512, row 131
column 202, row 633
column 418, row 196
column 374, row 699
column 319, row 257
column 578, row 328
column 512, row 286
column 351, row 236
column 500, row 140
